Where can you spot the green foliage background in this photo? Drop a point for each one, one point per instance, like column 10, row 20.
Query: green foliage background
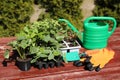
column 108, row 8
column 14, row 14
column 67, row 9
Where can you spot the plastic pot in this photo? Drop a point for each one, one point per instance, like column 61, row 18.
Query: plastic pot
column 45, row 65
column 58, row 63
column 39, row 65
column 42, row 64
column 51, row 64
column 23, row 65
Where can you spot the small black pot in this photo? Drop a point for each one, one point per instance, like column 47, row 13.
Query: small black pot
column 45, row 65
column 23, row 65
column 59, row 63
column 42, row 64
column 39, row 65
column 51, row 64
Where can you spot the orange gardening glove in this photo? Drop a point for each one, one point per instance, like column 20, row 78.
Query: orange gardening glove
column 100, row 56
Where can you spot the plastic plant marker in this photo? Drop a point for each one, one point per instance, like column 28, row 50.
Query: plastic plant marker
column 72, row 56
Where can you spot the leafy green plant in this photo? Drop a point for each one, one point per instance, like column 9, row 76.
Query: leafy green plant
column 41, row 39
column 50, row 35
column 21, row 46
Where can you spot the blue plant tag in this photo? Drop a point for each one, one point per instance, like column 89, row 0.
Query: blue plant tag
column 72, row 56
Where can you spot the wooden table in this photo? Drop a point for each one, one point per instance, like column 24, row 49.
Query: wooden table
column 69, row 72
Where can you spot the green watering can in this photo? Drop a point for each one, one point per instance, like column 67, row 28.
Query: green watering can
column 95, row 34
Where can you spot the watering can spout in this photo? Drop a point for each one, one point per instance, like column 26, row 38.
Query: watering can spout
column 79, row 34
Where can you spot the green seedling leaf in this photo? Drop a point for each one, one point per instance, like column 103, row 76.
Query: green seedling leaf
column 56, row 53
column 34, row 49
column 42, row 49
column 59, row 38
column 44, row 59
column 21, row 38
column 6, row 54
column 47, row 38
column 40, row 35
column 26, row 29
column 53, row 32
column 24, row 44
column 47, row 51
column 53, row 41
column 51, row 56
column 32, row 35
column 43, row 55
column 35, row 30
column 30, row 41
column 39, row 54
column 22, row 33
column 13, row 44
column 33, row 60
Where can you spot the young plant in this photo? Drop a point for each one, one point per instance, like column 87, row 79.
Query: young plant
column 48, row 39
column 21, row 46
column 42, row 40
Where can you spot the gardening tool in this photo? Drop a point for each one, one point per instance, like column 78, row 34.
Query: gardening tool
column 95, row 59
column 100, row 56
column 96, row 32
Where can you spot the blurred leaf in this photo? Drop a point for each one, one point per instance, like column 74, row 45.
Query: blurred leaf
column 47, row 38
column 23, row 44
column 6, row 54
column 33, row 60
column 34, row 49
column 26, row 29
column 13, row 44
column 56, row 53
column 51, row 56
column 43, row 55
column 60, row 38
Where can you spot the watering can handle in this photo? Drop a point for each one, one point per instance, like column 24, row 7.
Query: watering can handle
column 104, row 18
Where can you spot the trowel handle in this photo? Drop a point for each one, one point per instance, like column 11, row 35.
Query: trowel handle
column 104, row 18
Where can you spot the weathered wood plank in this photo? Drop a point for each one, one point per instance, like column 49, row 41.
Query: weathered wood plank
column 109, row 72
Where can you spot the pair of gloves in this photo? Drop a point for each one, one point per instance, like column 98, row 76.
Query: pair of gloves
column 95, row 59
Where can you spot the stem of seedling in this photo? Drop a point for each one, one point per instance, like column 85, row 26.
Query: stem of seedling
column 19, row 53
